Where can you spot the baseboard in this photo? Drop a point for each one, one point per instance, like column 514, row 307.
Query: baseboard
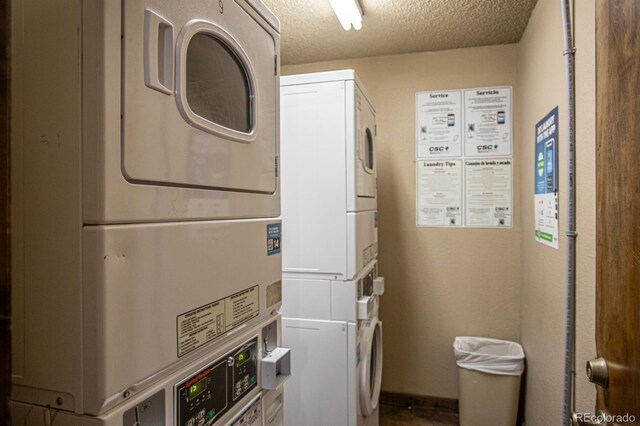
column 419, row 404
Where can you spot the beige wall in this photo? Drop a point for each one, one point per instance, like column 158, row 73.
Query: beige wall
column 540, row 67
column 542, row 87
column 440, row 283
column 585, row 32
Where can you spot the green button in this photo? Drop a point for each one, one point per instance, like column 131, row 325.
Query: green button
column 211, row 413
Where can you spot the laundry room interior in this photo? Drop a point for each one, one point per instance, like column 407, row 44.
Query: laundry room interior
column 265, row 213
column 501, row 283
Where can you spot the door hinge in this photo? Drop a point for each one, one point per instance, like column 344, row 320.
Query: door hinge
column 276, row 166
column 275, row 65
column 375, row 130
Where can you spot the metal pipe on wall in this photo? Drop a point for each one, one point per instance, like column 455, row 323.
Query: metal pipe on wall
column 570, row 329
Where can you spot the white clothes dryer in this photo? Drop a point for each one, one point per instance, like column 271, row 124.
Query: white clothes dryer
column 329, row 199
column 143, row 187
column 335, row 336
column 179, row 110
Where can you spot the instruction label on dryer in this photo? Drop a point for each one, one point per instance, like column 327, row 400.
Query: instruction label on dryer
column 369, row 253
column 204, row 324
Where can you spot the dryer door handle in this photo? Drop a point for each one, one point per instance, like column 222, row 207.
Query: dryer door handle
column 158, row 53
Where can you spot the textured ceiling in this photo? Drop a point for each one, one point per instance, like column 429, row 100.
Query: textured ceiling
column 311, row 32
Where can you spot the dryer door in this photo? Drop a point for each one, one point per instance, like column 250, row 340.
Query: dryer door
column 366, row 162
column 199, row 96
column 371, row 367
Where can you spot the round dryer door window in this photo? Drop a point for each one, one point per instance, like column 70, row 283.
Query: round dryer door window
column 218, row 84
column 371, row 367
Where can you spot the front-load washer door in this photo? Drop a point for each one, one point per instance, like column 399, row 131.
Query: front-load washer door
column 199, row 96
column 370, row 366
column 366, row 161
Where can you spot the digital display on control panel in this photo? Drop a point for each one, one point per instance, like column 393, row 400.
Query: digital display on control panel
column 243, row 357
column 208, row 394
column 197, row 388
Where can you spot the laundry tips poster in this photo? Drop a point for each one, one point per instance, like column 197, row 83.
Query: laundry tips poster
column 546, row 180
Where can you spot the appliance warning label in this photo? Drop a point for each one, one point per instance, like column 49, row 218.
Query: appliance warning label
column 273, row 238
column 206, row 323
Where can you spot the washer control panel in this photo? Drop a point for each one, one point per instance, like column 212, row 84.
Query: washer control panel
column 211, row 392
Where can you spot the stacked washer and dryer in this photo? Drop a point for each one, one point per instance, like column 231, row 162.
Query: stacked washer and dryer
column 330, row 280
column 146, row 206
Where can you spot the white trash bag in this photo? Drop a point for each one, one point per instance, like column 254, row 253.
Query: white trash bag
column 491, row 356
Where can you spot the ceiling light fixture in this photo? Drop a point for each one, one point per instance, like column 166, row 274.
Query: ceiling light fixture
column 348, row 12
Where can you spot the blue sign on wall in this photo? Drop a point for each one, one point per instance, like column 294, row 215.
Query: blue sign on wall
column 546, row 180
column 546, row 168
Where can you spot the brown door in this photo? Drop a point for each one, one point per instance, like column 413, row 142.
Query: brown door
column 5, row 262
column 618, row 205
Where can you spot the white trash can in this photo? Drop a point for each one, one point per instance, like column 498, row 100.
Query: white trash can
column 489, row 372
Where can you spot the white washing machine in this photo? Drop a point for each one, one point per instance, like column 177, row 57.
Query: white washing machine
column 239, row 383
column 329, row 203
column 369, row 371
column 335, row 336
column 145, row 172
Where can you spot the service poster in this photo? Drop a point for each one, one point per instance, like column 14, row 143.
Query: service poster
column 464, row 165
column 546, row 180
column 488, row 122
column 439, row 124
column 439, row 187
column 488, row 192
